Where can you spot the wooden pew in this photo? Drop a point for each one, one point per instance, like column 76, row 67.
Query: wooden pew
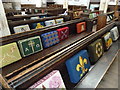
column 41, row 56
column 23, row 22
column 28, row 70
column 22, row 17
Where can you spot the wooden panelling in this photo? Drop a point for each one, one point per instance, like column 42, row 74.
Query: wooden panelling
column 102, row 20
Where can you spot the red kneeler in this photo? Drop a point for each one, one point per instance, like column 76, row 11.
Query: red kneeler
column 81, row 27
column 63, row 33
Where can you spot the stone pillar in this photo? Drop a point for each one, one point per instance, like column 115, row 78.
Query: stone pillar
column 38, row 3
column 4, row 29
column 65, row 4
column 44, row 3
column 17, row 5
column 104, row 5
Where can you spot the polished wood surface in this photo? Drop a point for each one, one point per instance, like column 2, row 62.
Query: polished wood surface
column 21, row 17
column 102, row 20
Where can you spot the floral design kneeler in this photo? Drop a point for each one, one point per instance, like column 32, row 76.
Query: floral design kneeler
column 8, row 54
column 53, row 81
column 78, row 65
column 95, row 50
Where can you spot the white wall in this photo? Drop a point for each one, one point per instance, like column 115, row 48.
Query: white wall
column 11, row 0
column 39, row 3
column 74, row 2
column 28, row 1
column 112, row 2
column 94, row 0
column 4, row 30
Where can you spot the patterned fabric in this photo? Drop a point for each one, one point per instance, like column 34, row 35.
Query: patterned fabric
column 59, row 21
column 8, row 54
column 21, row 28
column 37, row 25
column 81, row 27
column 50, row 22
column 43, row 16
column 53, row 81
column 95, row 51
column 114, row 33
column 37, row 17
column 63, row 33
column 50, row 39
column 30, row 46
column 78, row 65
column 107, row 40
column 91, row 16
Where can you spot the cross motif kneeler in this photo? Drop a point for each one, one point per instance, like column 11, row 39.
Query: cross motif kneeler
column 63, row 33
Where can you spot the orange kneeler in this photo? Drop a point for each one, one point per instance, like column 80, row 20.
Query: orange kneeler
column 81, row 27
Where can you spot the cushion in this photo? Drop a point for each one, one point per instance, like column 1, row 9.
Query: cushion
column 8, row 54
column 30, row 46
column 107, row 40
column 63, row 33
column 37, row 25
column 59, row 20
column 50, row 39
column 53, row 80
column 95, row 50
column 21, row 28
column 114, row 33
column 78, row 65
column 37, row 17
column 50, row 22
column 81, row 27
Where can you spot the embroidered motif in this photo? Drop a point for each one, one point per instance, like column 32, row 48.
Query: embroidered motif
column 81, row 66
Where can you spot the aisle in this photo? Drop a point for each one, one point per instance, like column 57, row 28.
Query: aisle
column 110, row 80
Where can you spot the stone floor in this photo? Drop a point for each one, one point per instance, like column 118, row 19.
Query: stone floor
column 110, row 80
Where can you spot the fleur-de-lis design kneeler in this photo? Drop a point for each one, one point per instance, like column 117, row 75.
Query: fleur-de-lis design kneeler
column 95, row 51
column 37, row 25
column 49, row 39
column 81, row 27
column 30, row 45
column 8, row 54
column 43, row 16
column 114, row 33
column 78, row 65
column 107, row 40
column 63, row 33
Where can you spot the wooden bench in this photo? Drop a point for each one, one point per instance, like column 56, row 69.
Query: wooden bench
column 28, row 70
